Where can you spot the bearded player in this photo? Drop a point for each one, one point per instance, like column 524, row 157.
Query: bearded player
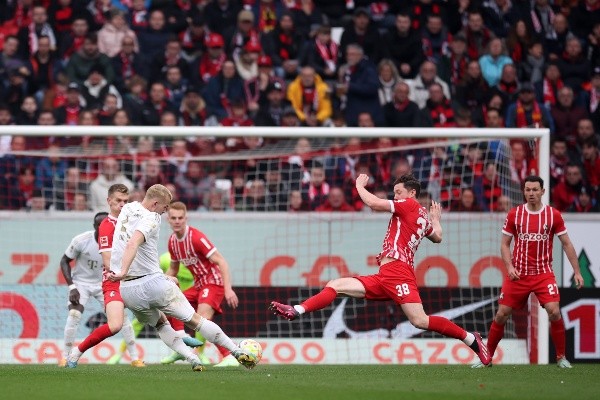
column 529, row 267
column 212, row 279
column 396, row 280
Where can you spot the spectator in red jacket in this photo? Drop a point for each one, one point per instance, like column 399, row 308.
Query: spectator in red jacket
column 591, row 162
column 565, row 192
column 335, row 202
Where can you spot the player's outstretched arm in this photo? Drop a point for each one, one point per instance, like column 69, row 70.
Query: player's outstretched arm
column 230, row 296
column 435, row 216
column 131, row 249
column 512, row 273
column 569, row 250
column 374, row 202
column 65, row 268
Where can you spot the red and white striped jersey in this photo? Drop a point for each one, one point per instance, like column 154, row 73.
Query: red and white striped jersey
column 408, row 225
column 533, row 233
column 106, row 231
column 194, row 251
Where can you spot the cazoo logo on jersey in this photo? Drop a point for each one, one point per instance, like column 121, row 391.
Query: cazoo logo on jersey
column 189, row 261
column 533, row 237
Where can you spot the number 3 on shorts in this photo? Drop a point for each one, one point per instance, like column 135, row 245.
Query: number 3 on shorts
column 403, row 289
column 553, row 289
column 205, row 293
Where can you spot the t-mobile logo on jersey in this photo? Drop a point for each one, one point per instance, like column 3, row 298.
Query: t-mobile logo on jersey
column 533, row 237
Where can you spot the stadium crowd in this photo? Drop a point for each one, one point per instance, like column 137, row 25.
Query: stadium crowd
column 397, row 63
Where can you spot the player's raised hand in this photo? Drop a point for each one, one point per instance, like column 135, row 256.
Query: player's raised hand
column 74, row 296
column 435, row 211
column 578, row 280
column 362, row 180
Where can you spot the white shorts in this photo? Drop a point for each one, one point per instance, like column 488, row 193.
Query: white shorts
column 86, row 291
column 149, row 295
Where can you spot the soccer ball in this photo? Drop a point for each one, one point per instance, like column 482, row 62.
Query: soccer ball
column 253, row 348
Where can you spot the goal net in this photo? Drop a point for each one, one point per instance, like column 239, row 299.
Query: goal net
column 281, row 206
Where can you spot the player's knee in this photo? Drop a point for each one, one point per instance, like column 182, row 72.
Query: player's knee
column 75, row 314
column 420, row 321
column 554, row 314
column 115, row 326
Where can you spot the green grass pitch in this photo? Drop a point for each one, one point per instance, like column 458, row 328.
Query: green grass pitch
column 309, row 382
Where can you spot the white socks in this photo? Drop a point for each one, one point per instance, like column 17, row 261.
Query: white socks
column 172, row 339
column 71, row 330
column 300, row 309
column 129, row 336
column 214, row 334
column 469, row 339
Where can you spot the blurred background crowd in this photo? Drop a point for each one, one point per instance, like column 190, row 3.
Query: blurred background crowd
column 395, row 63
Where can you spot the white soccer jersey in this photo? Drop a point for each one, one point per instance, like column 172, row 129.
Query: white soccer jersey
column 88, row 261
column 134, row 217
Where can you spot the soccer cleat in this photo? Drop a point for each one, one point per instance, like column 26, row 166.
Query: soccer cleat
column 204, row 359
column 138, row 364
column 192, row 342
column 71, row 364
column 62, row 363
column 228, row 361
column 73, row 358
column 483, row 352
column 479, row 364
column 283, row 310
column 563, row 363
column 171, row 358
column 245, row 359
column 197, row 367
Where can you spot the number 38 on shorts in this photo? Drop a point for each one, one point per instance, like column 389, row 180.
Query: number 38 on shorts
column 403, row 289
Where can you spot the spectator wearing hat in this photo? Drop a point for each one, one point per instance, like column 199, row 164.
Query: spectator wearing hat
column 321, row 53
column 271, row 112
column 29, row 36
column 359, row 88
column 209, row 65
column 80, row 64
column 192, row 39
column 68, row 114
column 527, row 112
column 236, row 36
column 222, row 89
column 96, row 87
column 566, row 191
column 127, row 64
column 363, row 32
column 221, row 14
column 154, row 37
column 283, row 44
column 309, row 97
column 246, row 61
column 566, row 114
column 585, row 201
column 111, row 36
column 193, row 108
column 172, row 56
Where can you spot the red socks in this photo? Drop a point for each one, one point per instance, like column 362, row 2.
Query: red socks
column 495, row 335
column 321, row 300
column 98, row 335
column 446, row 327
column 557, row 333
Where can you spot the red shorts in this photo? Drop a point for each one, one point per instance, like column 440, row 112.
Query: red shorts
column 514, row 294
column 395, row 281
column 210, row 294
column 111, row 291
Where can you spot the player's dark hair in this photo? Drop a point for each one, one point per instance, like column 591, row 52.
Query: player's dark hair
column 118, row 187
column 534, row 178
column 100, row 216
column 410, row 183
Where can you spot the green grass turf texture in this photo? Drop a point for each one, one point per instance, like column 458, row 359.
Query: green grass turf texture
column 311, row 382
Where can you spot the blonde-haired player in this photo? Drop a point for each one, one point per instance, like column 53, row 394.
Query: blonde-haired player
column 212, row 279
column 146, row 290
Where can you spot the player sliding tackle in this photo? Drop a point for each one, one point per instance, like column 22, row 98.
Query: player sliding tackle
column 146, row 290
column 396, row 281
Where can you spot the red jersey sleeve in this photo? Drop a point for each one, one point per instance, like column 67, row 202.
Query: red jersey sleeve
column 559, row 223
column 509, row 228
column 105, row 235
column 400, row 207
column 202, row 245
